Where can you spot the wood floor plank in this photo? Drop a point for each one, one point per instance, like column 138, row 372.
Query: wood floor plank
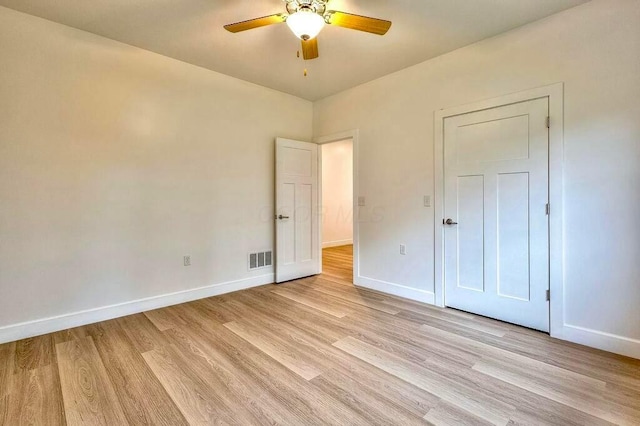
column 338, row 281
column 89, row 397
column 474, row 324
column 418, row 307
column 294, row 338
column 35, row 398
column 7, row 365
column 213, row 313
column 371, row 379
column 531, row 406
column 449, row 415
column 4, row 410
column 617, row 370
column 216, row 366
column 70, row 334
column 448, row 324
column 312, row 302
column 622, row 395
column 541, row 368
column 532, row 409
column 290, row 359
column 6, row 381
column 585, row 361
column 218, row 309
column 487, row 408
column 307, row 293
column 141, row 395
column 408, row 335
column 373, row 406
column 34, row 352
column 416, row 353
column 580, row 400
column 353, row 295
column 165, row 318
column 323, row 326
column 142, row 334
column 197, row 401
column 303, row 403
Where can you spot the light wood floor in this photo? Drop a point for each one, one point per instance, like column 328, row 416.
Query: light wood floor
column 312, row 351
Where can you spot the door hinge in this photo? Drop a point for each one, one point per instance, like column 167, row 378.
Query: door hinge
column 548, row 209
column 548, row 295
column 548, row 122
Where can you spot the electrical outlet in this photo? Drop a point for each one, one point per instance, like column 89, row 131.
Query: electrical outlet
column 361, row 201
column 187, row 260
column 427, row 200
column 403, row 249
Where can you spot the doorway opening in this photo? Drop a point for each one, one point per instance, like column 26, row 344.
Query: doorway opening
column 337, row 208
column 338, row 242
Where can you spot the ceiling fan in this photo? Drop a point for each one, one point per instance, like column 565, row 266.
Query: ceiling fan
column 306, row 18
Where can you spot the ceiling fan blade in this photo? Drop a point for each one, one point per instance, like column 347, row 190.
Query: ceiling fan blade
column 360, row 23
column 256, row 23
column 310, row 49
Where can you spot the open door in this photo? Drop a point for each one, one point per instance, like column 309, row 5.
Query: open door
column 297, row 219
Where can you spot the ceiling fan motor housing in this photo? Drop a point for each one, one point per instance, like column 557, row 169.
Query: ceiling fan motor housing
column 315, row 6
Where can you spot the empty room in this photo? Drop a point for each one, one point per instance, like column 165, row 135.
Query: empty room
column 320, row 212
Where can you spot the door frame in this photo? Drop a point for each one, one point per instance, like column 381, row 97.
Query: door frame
column 337, row 137
column 555, row 94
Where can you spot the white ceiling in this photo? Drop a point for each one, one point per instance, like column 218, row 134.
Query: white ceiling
column 191, row 31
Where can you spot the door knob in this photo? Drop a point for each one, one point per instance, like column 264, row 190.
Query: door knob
column 283, row 217
column 449, row 222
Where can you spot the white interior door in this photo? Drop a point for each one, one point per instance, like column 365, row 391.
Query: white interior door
column 297, row 226
column 496, row 195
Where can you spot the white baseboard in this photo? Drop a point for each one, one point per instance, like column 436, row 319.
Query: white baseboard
column 601, row 340
column 396, row 289
column 337, row 243
column 38, row 327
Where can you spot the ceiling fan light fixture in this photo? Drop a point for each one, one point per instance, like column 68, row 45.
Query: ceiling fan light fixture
column 305, row 24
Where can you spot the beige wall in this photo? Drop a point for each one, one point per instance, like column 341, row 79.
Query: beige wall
column 595, row 50
column 337, row 193
column 115, row 162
